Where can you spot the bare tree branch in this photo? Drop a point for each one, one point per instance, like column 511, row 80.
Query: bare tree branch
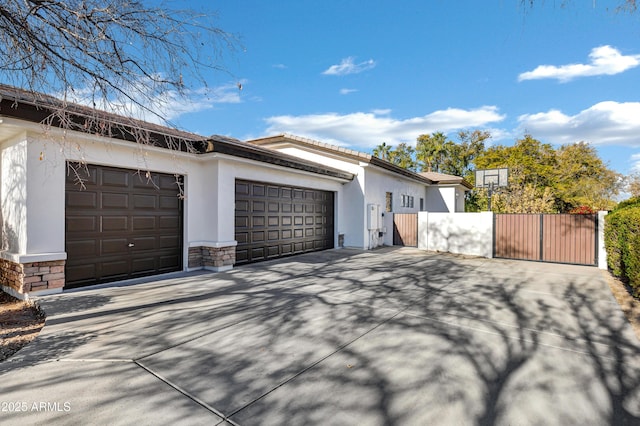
column 104, row 51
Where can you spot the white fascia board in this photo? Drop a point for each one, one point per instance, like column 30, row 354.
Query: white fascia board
column 241, row 160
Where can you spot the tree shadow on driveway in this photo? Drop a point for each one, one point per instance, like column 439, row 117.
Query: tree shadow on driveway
column 395, row 336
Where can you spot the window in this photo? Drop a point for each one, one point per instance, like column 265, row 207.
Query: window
column 407, row 200
column 389, row 201
column 421, row 204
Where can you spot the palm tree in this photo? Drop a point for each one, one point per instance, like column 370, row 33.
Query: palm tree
column 383, row 151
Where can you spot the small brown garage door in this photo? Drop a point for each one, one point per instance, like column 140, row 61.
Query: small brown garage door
column 121, row 225
column 272, row 221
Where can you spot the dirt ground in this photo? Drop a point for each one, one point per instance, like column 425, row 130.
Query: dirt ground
column 629, row 305
column 20, row 323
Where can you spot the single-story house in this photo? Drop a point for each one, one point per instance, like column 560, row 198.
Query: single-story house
column 86, row 203
column 378, row 190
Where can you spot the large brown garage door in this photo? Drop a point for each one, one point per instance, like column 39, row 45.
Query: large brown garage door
column 121, row 225
column 274, row 220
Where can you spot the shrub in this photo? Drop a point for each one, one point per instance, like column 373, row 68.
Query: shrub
column 635, row 201
column 622, row 240
column 582, row 210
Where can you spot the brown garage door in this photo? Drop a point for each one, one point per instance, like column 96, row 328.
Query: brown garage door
column 121, row 225
column 272, row 221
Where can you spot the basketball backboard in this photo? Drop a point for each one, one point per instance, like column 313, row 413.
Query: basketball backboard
column 492, row 178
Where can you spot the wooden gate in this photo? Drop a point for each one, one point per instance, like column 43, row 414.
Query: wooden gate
column 559, row 238
column 405, row 229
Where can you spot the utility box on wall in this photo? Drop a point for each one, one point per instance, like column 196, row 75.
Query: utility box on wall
column 373, row 217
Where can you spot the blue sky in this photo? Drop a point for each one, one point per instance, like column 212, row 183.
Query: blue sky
column 358, row 73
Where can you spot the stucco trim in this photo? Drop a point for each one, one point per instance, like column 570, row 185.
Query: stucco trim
column 28, row 258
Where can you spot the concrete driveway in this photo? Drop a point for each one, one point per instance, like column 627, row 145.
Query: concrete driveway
column 392, row 336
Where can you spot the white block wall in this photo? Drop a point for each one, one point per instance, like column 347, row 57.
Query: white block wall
column 461, row 233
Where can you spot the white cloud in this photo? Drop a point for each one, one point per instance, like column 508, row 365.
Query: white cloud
column 151, row 106
column 635, row 159
column 348, row 66
column 347, row 91
column 604, row 60
column 279, row 66
column 616, row 123
column 368, row 129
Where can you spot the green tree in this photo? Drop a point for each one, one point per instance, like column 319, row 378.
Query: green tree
column 543, row 179
column 460, row 156
column 383, row 151
column 633, row 185
column 583, row 179
column 403, row 156
column 431, row 151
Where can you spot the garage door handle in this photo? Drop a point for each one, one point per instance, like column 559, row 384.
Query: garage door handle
column 131, row 244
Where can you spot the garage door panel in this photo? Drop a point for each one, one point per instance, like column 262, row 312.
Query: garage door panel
column 169, row 202
column 145, row 202
column 170, row 242
column 242, row 188
column 257, row 253
column 273, row 235
column 276, row 220
column 113, row 245
column 143, row 243
column 146, row 265
column 242, row 205
column 242, row 255
column 114, row 201
column 170, row 182
column 141, row 180
column 273, row 251
column 117, row 208
column 83, row 248
column 82, row 199
column 170, row 223
column 143, row 223
column 80, row 273
column 115, row 223
column 81, row 223
column 286, row 248
column 115, row 178
column 116, row 267
column 170, row 263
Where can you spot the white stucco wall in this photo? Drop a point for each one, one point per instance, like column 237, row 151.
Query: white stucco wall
column 13, row 194
column 445, row 199
column 32, row 189
column 378, row 183
column 461, row 233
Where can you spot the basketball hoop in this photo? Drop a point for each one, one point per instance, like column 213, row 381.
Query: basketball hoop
column 492, row 179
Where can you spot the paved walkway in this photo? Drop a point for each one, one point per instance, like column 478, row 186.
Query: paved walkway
column 391, row 336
